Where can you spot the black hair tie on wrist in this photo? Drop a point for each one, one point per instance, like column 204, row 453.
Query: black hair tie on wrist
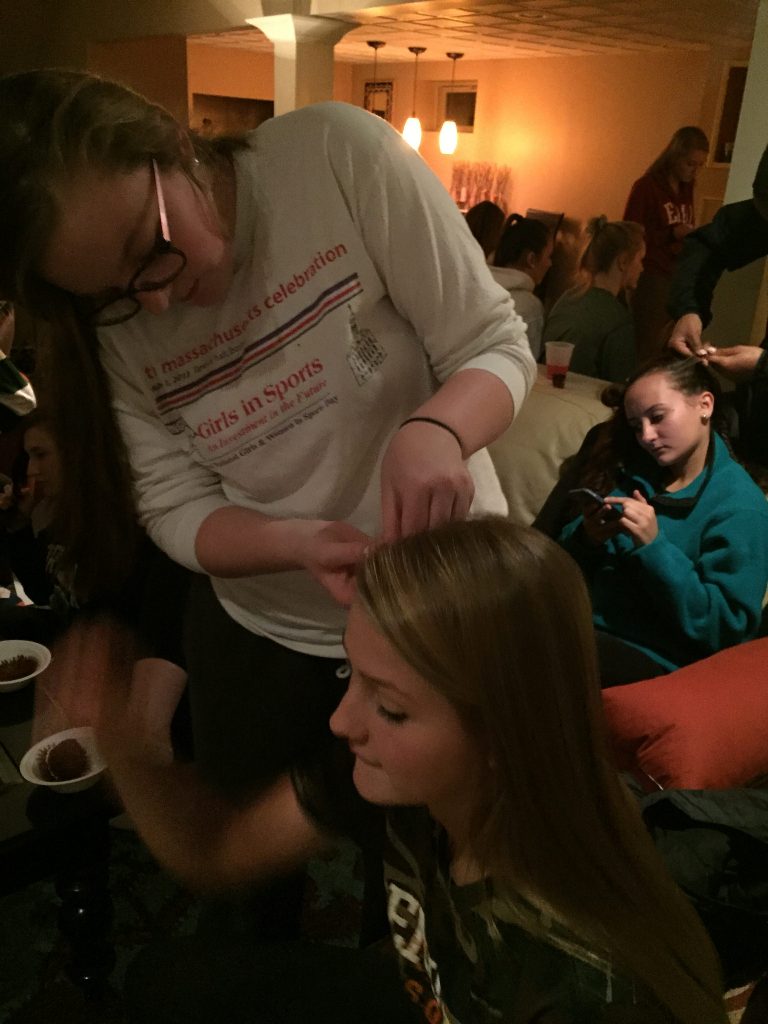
column 435, row 423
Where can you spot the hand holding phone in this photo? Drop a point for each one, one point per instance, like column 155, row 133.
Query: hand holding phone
column 587, row 497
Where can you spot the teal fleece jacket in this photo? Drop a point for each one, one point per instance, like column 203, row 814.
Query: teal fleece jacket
column 699, row 586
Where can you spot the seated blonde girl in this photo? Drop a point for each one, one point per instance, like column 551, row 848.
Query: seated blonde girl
column 591, row 315
column 521, row 885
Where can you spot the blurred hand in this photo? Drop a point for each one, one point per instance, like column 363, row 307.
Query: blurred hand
column 330, row 552
column 686, row 337
column 424, row 481
column 6, row 498
column 135, row 714
column 91, row 665
column 638, row 519
column 737, row 362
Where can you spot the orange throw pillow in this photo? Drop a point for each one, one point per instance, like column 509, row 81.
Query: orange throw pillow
column 704, row 726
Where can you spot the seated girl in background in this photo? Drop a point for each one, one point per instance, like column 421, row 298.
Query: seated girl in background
column 590, row 315
column 676, row 557
column 50, row 572
column 521, row 884
column 62, row 581
column 523, row 256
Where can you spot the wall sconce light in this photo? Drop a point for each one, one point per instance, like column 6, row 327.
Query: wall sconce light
column 412, row 128
column 449, row 133
column 376, row 45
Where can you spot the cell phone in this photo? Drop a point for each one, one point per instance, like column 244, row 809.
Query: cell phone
column 589, row 497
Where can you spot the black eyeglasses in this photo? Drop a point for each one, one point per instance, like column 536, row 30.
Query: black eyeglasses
column 160, row 268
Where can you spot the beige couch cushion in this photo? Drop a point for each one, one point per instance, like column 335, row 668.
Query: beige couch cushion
column 550, row 426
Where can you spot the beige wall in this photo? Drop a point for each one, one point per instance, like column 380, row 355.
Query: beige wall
column 229, row 71
column 576, row 131
column 155, row 67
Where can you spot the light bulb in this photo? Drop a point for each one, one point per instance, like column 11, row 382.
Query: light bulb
column 449, row 137
column 412, row 132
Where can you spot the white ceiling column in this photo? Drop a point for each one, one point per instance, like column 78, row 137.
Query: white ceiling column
column 303, row 56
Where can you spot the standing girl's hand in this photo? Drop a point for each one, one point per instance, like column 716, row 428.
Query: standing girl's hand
column 738, row 362
column 424, row 480
column 686, row 337
column 639, row 519
column 330, row 551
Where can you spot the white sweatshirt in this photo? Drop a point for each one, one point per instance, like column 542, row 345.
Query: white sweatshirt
column 520, row 286
column 357, row 289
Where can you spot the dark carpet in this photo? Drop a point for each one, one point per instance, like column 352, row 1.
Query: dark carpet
column 148, row 905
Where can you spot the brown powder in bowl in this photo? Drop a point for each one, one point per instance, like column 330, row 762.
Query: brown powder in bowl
column 16, row 668
column 63, row 762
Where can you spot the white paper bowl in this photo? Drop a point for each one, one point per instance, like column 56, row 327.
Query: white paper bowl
column 30, row 768
column 12, row 649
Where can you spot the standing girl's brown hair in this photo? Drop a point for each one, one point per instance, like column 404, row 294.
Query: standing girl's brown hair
column 689, row 139
column 52, row 125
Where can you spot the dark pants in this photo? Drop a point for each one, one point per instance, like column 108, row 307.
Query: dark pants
column 256, row 707
column 621, row 663
column 187, row 982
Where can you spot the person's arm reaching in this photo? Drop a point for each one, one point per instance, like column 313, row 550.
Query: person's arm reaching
column 185, row 511
column 424, row 479
column 206, row 841
column 740, row 363
column 235, row 541
column 737, row 236
column 438, row 281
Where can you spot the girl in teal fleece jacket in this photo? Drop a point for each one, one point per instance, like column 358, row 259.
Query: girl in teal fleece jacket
column 676, row 556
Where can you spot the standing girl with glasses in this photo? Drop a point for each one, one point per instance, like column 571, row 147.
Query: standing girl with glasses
column 521, row 884
column 302, row 348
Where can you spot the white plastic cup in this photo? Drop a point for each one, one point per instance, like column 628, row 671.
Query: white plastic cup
column 558, row 357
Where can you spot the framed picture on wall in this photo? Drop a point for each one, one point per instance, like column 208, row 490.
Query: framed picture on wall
column 457, row 103
column 378, row 99
column 728, row 111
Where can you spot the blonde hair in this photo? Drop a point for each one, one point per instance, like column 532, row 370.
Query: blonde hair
column 497, row 618
column 607, row 241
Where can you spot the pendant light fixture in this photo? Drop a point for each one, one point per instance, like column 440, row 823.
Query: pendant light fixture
column 376, row 45
column 412, row 129
column 449, row 133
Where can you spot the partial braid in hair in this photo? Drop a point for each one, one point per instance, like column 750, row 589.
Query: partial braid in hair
column 615, row 442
